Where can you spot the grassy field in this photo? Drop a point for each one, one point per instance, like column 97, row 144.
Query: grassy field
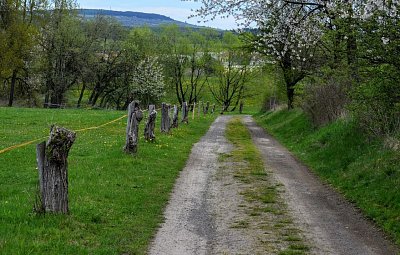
column 364, row 171
column 116, row 200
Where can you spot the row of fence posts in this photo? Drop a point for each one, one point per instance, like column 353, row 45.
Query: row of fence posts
column 52, row 155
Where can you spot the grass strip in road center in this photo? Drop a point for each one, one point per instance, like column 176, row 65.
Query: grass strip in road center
column 265, row 207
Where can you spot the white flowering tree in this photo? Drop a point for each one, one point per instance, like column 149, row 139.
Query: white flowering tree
column 290, row 31
column 148, row 81
column 286, row 33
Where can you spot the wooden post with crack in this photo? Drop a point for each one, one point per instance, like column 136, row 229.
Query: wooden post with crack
column 52, row 163
column 151, row 123
column 185, row 113
column 135, row 115
column 175, row 120
column 165, row 119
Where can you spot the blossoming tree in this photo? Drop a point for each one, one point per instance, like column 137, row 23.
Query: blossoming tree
column 290, row 31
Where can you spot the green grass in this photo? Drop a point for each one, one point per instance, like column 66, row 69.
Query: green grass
column 265, row 206
column 364, row 171
column 116, row 200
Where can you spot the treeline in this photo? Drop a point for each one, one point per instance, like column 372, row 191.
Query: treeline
column 47, row 51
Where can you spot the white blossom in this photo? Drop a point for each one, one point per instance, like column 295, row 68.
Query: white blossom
column 148, row 79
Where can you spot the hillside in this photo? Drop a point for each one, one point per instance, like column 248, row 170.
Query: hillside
column 135, row 19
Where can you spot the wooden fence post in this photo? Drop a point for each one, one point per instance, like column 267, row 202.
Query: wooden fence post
column 53, row 170
column 151, row 123
column 165, row 119
column 135, row 115
column 185, row 112
column 175, row 117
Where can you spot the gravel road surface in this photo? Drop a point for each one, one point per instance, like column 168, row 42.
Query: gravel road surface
column 333, row 225
column 203, row 204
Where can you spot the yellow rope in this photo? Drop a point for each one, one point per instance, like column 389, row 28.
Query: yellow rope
column 79, row 130
column 20, row 145
column 36, row 140
column 105, row 124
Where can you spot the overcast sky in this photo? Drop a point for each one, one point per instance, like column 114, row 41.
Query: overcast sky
column 175, row 9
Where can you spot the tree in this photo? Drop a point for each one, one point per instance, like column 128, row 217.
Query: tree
column 61, row 41
column 283, row 34
column 290, row 32
column 232, row 74
column 18, row 36
column 186, row 63
column 144, row 79
column 148, row 81
column 107, row 64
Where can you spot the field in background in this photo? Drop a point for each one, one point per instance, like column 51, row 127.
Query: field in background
column 116, row 200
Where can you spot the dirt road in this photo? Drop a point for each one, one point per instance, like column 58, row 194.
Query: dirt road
column 206, row 201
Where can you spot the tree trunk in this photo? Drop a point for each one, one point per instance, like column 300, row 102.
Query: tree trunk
column 150, row 125
column 46, row 100
column 53, row 170
column 175, row 117
column 135, row 115
column 165, row 119
column 56, row 100
column 95, row 98
column 207, row 106
column 213, row 109
column 352, row 56
column 81, row 95
column 185, row 113
column 12, row 88
column 290, row 96
column 241, row 108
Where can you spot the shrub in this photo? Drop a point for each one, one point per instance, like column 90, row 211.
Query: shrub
column 376, row 106
column 324, row 100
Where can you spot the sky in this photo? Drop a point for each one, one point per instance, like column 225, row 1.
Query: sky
column 175, row 9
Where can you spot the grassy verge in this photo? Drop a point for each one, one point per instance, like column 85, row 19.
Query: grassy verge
column 265, row 207
column 116, row 200
column 363, row 171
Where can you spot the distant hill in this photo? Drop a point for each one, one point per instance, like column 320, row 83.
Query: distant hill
column 135, row 19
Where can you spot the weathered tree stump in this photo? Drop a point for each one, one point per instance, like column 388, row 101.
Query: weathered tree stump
column 185, row 113
column 135, row 115
column 165, row 119
column 151, row 123
column 241, row 107
column 52, row 163
column 175, row 117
